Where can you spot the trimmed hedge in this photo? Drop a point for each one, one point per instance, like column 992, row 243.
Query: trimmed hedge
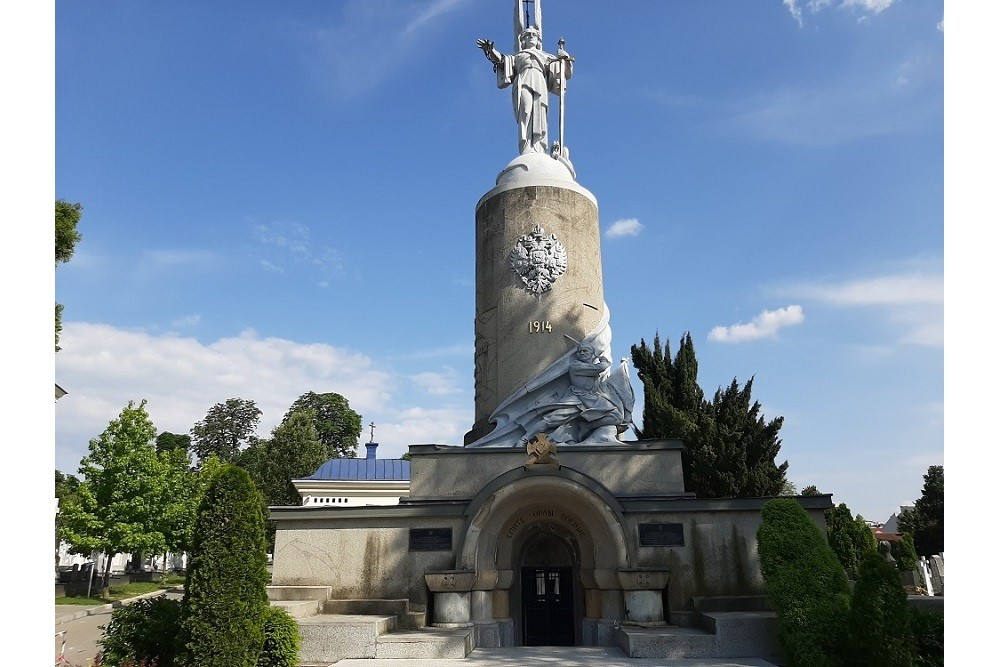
column 879, row 621
column 281, row 640
column 806, row 584
column 928, row 637
column 225, row 601
column 141, row 632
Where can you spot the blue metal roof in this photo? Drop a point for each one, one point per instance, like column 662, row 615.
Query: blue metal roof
column 363, row 469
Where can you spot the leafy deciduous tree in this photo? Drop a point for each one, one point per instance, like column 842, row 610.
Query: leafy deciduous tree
column 293, row 451
column 226, row 429
column 66, row 237
column 337, row 425
column 116, row 507
column 167, row 440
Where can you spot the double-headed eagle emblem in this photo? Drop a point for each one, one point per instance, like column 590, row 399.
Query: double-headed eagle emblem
column 538, row 260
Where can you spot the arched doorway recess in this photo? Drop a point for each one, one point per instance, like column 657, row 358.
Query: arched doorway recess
column 563, row 527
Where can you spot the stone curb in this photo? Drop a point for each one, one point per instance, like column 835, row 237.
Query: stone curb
column 108, row 608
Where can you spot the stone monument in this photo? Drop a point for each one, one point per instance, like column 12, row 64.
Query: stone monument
column 544, row 527
column 543, row 339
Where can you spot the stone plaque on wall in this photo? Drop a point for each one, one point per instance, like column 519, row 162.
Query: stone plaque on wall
column 661, row 534
column 430, row 539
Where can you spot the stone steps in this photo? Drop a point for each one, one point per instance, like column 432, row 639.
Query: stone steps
column 721, row 634
column 299, row 608
column 426, row 643
column 327, row 638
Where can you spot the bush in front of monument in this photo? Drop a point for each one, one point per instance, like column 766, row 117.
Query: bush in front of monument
column 879, row 624
column 806, row 584
column 928, row 637
column 144, row 632
column 281, row 640
column 225, row 598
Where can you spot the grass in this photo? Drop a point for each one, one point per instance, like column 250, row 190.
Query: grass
column 121, row 592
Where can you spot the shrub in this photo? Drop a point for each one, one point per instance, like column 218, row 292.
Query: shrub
column 806, row 584
column 281, row 640
column 850, row 538
column 928, row 637
column 144, row 631
column 879, row 620
column 225, row 597
column 905, row 553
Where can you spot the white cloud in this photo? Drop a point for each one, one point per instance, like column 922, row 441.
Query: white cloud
column 912, row 300
column 375, row 38
column 436, row 9
column 103, row 368
column 624, row 227
column 906, row 289
column 765, row 325
column 438, row 383
column 794, row 7
column 291, row 242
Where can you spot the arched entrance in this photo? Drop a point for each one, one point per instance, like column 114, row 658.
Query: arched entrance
column 548, row 587
column 536, row 530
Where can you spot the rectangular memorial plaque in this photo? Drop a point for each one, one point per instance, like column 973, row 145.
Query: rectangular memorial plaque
column 430, row 539
column 661, row 534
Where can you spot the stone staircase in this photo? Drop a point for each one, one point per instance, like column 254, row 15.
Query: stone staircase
column 334, row 630
column 718, row 627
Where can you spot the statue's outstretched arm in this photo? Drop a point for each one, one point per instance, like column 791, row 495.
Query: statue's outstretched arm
column 489, row 51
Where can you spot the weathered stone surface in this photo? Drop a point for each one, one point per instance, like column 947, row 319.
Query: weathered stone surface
column 643, row 606
column 452, row 609
column 509, row 351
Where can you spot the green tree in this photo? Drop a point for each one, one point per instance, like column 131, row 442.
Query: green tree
column 293, row 451
column 806, row 585
column 850, row 538
column 730, row 448
column 66, row 237
column 167, row 440
column 66, row 488
column 672, row 397
column 905, row 553
column 226, row 429
column 337, row 425
column 811, row 490
column 926, row 521
column 878, row 624
column 225, row 599
column 178, row 505
column 116, row 507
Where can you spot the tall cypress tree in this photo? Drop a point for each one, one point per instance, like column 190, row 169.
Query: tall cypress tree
column 225, row 598
column 730, row 448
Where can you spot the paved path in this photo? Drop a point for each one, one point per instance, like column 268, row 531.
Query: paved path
column 82, row 626
column 563, row 656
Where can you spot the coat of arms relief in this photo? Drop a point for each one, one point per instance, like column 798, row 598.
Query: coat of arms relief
column 538, row 260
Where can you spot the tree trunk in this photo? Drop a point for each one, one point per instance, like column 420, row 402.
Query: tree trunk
column 107, row 574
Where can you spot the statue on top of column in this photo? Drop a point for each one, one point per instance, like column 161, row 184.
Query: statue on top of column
column 533, row 74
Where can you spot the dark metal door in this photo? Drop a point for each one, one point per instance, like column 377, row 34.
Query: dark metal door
column 547, row 601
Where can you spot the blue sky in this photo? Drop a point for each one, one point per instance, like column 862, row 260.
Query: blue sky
column 279, row 197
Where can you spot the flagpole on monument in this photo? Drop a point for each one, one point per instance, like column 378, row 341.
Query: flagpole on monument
column 562, row 95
